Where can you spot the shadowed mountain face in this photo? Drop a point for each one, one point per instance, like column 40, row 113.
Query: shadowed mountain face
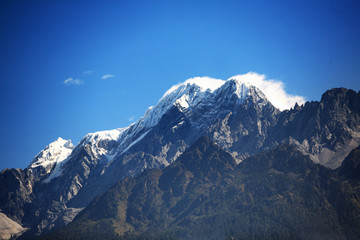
column 279, row 193
column 328, row 130
column 63, row 179
column 350, row 168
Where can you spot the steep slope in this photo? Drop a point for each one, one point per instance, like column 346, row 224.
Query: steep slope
column 350, row 168
column 9, row 228
column 51, row 159
column 327, row 130
column 155, row 140
column 233, row 113
column 16, row 192
column 242, row 130
column 18, row 189
column 174, row 192
column 167, row 129
column 16, row 185
column 203, row 195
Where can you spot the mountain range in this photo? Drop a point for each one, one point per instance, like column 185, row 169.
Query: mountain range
column 279, row 194
column 233, row 117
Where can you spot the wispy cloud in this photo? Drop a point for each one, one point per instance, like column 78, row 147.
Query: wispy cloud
column 274, row 90
column 73, row 81
column 107, row 76
column 131, row 118
column 88, row 72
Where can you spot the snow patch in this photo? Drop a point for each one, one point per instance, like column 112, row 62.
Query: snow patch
column 200, row 90
column 95, row 139
column 205, row 84
column 104, row 135
column 136, row 141
column 183, row 101
column 201, row 97
column 186, row 94
column 56, row 152
column 274, row 90
column 178, row 125
column 56, row 172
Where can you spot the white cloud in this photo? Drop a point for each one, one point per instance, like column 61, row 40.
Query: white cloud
column 274, row 90
column 72, row 81
column 88, row 72
column 131, row 118
column 205, row 83
column 107, row 76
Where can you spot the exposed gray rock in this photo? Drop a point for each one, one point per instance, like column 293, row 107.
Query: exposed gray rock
column 9, row 228
column 240, row 120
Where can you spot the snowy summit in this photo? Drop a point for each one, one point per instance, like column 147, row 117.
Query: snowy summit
column 55, row 152
column 273, row 90
column 204, row 95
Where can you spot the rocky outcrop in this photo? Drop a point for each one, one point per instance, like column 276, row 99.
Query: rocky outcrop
column 327, row 130
column 9, row 228
column 236, row 116
column 280, row 193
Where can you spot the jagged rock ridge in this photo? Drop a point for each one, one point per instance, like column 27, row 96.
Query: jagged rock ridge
column 234, row 114
column 279, row 193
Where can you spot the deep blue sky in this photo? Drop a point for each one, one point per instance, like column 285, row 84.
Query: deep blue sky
column 148, row 46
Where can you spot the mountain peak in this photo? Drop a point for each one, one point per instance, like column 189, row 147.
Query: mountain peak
column 203, row 155
column 54, row 153
column 274, row 90
column 194, row 86
column 198, row 92
column 109, row 135
column 61, row 142
column 341, row 95
column 242, row 90
column 202, row 83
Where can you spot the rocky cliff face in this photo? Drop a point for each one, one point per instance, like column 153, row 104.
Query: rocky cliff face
column 16, row 192
column 327, row 130
column 279, row 193
column 234, row 114
column 19, row 189
column 9, row 228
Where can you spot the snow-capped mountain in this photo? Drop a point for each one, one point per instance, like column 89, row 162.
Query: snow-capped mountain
column 199, row 101
column 51, row 158
column 238, row 116
column 183, row 114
